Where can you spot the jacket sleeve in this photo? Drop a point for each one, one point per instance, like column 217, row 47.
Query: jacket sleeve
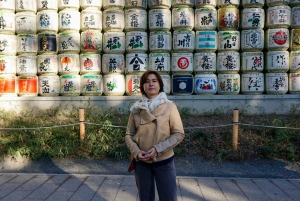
column 176, row 132
column 130, row 132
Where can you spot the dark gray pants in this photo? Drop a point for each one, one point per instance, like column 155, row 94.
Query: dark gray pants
column 164, row 177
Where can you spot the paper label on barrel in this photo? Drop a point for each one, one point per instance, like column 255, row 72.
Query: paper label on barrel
column 279, row 15
column 253, row 83
column 160, row 41
column 253, row 18
column 113, row 63
column 27, row 43
column 229, row 83
column 159, row 62
column 183, row 84
column 7, row 84
column 253, row 61
column 135, row 19
column 26, row 23
column 136, row 41
column 49, row 85
column 229, row 40
column 278, row 82
column 70, row 84
column 136, row 62
column 26, row 65
column 206, row 18
column 295, row 17
column 205, row 84
column 69, row 42
column 206, row 40
column 47, row 43
column 183, row 40
column 47, row 64
column 91, row 19
column 228, row 62
column 183, row 18
column 278, row 60
column 114, row 42
column 113, row 20
column 205, row 62
column 160, row 19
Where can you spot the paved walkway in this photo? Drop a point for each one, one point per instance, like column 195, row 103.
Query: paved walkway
column 37, row 187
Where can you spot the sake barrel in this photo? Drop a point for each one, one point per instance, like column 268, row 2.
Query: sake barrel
column 47, row 43
column 90, row 3
column 228, row 18
column 26, row 65
column 276, row 83
column 181, row 4
column 68, row 64
column 160, row 41
column 133, row 84
column 70, row 85
column 205, row 84
column 27, row 85
column 113, row 64
column 252, row 83
column 252, row 62
column 205, row 63
column 294, row 61
column 159, row 19
column 252, row 40
column 47, row 64
column 226, row 3
column 69, row 42
column 136, row 4
column 26, row 5
column 116, row 4
column 47, row 21
column 228, row 62
column 8, row 64
column 167, row 83
column 253, row 4
column 206, row 41
column 65, row 4
column 183, row 18
column 7, row 22
column 182, row 84
column 91, row 18
column 8, row 85
column 153, row 4
column 253, row 18
column 271, row 3
column 228, row 40
column 135, row 19
column 182, row 63
column 90, row 63
column 47, row 5
column 295, row 18
column 277, row 39
column 160, row 62
column 183, row 41
column 114, row 85
column 25, row 23
column 8, row 5
column 49, row 85
column 27, row 44
column 114, row 42
column 278, row 17
column 136, row 63
column 206, row 18
column 8, row 44
column 295, row 39
column 91, row 85
column 277, row 61
column 113, row 19
column 68, row 19
column 228, row 84
column 294, row 3
column 136, row 41
column 91, row 41
column 294, row 83
column 201, row 3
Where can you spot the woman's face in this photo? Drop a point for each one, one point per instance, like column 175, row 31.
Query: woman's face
column 151, row 86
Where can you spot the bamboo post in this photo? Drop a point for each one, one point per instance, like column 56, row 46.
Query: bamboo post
column 235, row 129
column 81, row 125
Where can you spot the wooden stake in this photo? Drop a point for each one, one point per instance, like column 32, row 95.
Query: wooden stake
column 235, row 129
column 81, row 125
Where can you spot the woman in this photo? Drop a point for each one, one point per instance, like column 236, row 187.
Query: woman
column 154, row 128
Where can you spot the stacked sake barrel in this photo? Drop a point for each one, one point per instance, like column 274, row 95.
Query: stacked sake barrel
column 206, row 22
column 8, row 43
column 160, row 40
column 228, row 58
column 252, row 45
column 277, row 43
column 113, row 61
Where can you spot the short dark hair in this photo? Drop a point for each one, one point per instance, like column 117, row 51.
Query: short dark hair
column 144, row 79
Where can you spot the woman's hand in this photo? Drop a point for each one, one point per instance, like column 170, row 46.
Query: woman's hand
column 149, row 155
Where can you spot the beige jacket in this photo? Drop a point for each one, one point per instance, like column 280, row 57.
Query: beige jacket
column 161, row 129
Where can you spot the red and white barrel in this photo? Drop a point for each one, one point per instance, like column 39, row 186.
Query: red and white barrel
column 90, row 64
column 277, row 39
column 253, row 4
column 136, row 41
column 8, row 85
column 114, row 42
column 93, row 4
column 91, row 41
column 135, row 4
column 160, row 41
column 252, row 40
column 27, row 44
column 133, row 84
column 295, row 61
column 167, row 83
column 206, row 41
column 228, row 40
column 8, row 44
column 294, row 83
column 205, row 63
column 153, row 4
column 68, row 64
column 26, row 5
column 8, row 64
column 228, row 62
column 70, row 85
column 205, row 84
column 25, row 23
column 68, row 20
column 27, row 85
column 47, row 21
column 252, row 83
column 228, row 18
column 183, row 18
column 252, row 62
column 113, row 19
column 136, row 63
column 47, row 5
column 229, row 84
column 278, row 17
column 201, row 3
column 160, row 62
column 113, row 64
column 183, row 41
column 91, row 18
column 47, row 64
column 277, row 61
column 7, row 22
column 49, row 85
column 276, row 83
column 182, row 63
column 253, row 18
column 116, row 4
column 63, row 4
column 135, row 19
column 26, row 65
column 159, row 19
column 69, row 42
column 91, row 85
column 114, row 85
column 206, row 18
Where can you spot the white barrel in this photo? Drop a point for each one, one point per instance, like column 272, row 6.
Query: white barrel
column 253, row 4
column 91, row 85
column 49, row 85
column 26, row 5
column 252, row 62
column 68, row 42
column 181, row 4
column 278, row 17
column 277, row 39
column 68, row 19
column 116, row 4
column 277, row 61
column 27, row 44
column 182, row 84
column 294, row 62
column 113, row 85
column 47, row 43
column 26, row 65
column 153, row 4
column 8, row 85
column 228, row 62
column 253, row 18
column 91, row 41
column 295, row 21
column 133, row 84
column 160, row 62
column 136, row 63
column 160, row 41
column 113, row 64
column 206, row 18
column 228, row 40
column 27, row 85
column 8, row 44
column 65, row 4
column 276, row 83
column 159, row 19
column 90, row 3
column 271, row 3
column 226, row 3
column 90, row 64
column 47, row 5
column 47, row 64
column 91, row 18
column 205, row 63
column 8, row 5
column 7, row 22
column 228, row 18
column 252, row 40
column 182, row 63
column 135, row 19
column 68, row 64
column 167, row 83
column 252, row 83
column 114, row 42
column 229, row 84
column 47, row 21
column 25, row 23
column 113, row 20
column 201, row 3
column 183, row 41
column 183, row 18
column 205, row 84
column 8, row 64
column 206, row 41
column 295, row 39
column 70, row 85
column 294, row 83
column 136, row 41
column 136, row 4
column 294, row 3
